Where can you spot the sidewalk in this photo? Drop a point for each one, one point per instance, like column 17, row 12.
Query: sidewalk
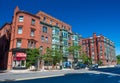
column 106, row 66
column 29, row 71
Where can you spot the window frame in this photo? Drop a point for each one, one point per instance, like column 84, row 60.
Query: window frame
column 44, row 29
column 42, row 38
column 21, row 19
column 46, row 39
column 33, row 22
column 21, row 31
column 18, row 43
column 32, row 34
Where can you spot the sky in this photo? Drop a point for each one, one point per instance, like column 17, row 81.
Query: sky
column 85, row 16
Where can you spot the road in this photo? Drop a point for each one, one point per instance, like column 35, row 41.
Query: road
column 104, row 75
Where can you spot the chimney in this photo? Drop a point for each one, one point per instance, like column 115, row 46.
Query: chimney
column 16, row 10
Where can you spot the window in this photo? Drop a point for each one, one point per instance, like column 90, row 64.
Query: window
column 18, row 44
column 46, row 39
column 42, row 38
column 19, row 30
column 92, row 49
column 57, row 24
column 44, row 19
column 50, row 21
column 69, row 37
column 33, row 22
column 21, row 18
column 45, row 29
column 100, row 48
column 75, row 44
column 41, row 48
column 76, row 38
column 32, row 32
column 65, row 43
column 31, row 44
column 55, row 31
column 64, row 35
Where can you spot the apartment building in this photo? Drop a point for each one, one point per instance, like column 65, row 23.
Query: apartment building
column 99, row 48
column 33, row 31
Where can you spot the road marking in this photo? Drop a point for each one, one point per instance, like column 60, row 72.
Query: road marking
column 38, row 77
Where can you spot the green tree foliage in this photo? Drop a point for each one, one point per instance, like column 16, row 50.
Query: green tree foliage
column 85, row 59
column 57, row 57
column 48, row 55
column 100, row 62
column 72, row 49
column 54, row 56
column 118, row 59
column 32, row 55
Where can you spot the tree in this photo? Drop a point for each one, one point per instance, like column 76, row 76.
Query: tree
column 85, row 59
column 100, row 62
column 47, row 57
column 72, row 50
column 32, row 55
column 57, row 56
column 53, row 56
column 118, row 59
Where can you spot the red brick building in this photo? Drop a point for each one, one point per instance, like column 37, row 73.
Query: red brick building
column 99, row 48
column 5, row 34
column 30, row 31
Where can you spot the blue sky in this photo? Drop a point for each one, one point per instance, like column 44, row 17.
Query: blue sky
column 85, row 16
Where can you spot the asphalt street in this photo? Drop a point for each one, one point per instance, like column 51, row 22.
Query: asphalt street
column 103, row 75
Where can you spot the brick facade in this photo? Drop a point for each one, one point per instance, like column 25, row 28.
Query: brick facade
column 27, row 32
column 95, row 48
column 4, row 44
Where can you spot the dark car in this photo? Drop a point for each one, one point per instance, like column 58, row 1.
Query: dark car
column 94, row 66
column 80, row 66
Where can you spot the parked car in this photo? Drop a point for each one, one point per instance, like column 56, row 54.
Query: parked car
column 67, row 64
column 80, row 66
column 117, row 66
column 93, row 66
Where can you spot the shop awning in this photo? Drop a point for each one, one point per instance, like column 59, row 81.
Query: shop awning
column 20, row 55
column 19, row 58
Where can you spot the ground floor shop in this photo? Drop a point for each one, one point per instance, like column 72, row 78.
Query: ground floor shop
column 19, row 60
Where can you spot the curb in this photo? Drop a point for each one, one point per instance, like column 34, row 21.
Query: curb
column 30, row 78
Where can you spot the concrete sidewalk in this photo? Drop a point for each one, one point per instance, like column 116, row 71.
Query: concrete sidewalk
column 106, row 66
column 29, row 71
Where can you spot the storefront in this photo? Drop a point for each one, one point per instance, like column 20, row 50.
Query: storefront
column 19, row 60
